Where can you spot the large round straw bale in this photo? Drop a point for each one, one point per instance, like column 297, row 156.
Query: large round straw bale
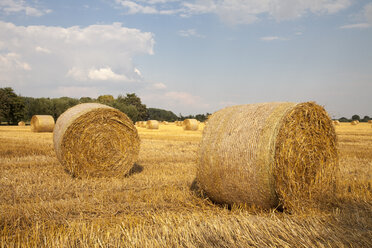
column 152, row 124
column 21, row 123
column 92, row 139
column 42, row 123
column 190, row 124
column 268, row 155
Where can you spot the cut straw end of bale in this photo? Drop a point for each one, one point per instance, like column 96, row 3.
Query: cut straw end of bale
column 94, row 140
column 190, row 124
column 42, row 123
column 268, row 155
column 152, row 124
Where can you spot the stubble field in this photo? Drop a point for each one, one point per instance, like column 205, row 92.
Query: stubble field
column 155, row 205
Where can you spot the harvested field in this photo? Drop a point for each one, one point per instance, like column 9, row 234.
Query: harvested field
column 157, row 204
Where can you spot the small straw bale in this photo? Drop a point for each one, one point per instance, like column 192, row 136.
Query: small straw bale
column 268, row 155
column 190, row 124
column 164, row 123
column 42, row 123
column 354, row 123
column 21, row 123
column 370, row 121
column 336, row 122
column 93, row 140
column 152, row 124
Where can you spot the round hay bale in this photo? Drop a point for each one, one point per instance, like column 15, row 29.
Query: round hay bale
column 268, row 155
column 21, row 124
column 354, row 123
column 152, row 124
column 190, row 124
column 336, row 123
column 92, row 139
column 42, row 123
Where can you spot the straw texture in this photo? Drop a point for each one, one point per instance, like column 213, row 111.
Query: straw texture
column 42, row 123
column 92, row 139
column 21, row 123
column 268, row 154
column 152, row 124
column 190, row 124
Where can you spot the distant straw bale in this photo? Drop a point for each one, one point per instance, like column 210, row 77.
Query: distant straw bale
column 190, row 124
column 152, row 124
column 268, row 155
column 42, row 123
column 336, row 123
column 92, row 139
column 370, row 121
column 21, row 124
column 354, row 123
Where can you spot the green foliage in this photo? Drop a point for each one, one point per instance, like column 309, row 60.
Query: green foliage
column 134, row 100
column 343, row 119
column 106, row 99
column 130, row 110
column 365, row 119
column 61, row 104
column 161, row 115
column 11, row 106
column 355, row 118
column 86, row 100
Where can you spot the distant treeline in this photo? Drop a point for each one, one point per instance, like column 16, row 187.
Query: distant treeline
column 14, row 108
column 355, row 118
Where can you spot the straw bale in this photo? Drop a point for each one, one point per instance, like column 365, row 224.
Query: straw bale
column 93, row 140
column 190, row 124
column 370, row 121
column 268, row 155
column 152, row 124
column 354, row 123
column 21, row 123
column 336, row 122
column 42, row 123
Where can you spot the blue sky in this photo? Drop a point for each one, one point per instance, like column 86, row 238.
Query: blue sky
column 192, row 56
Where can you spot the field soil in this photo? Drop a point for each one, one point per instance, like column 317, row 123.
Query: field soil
column 158, row 205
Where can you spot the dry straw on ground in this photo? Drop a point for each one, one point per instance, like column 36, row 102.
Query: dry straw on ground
column 21, row 123
column 190, row 124
column 92, row 139
column 152, row 124
column 268, row 155
column 42, row 123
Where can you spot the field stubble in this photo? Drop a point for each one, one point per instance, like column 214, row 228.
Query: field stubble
column 153, row 206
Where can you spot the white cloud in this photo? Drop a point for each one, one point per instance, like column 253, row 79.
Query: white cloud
column 76, row 55
column 189, row 33
column 42, row 49
column 104, row 74
column 357, row 25
column 366, row 17
column 270, row 38
column 17, row 6
column 236, row 12
column 159, row 86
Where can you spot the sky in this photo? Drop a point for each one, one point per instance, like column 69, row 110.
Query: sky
column 193, row 56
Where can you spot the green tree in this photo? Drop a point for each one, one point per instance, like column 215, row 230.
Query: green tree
column 106, row 99
column 12, row 106
column 86, row 100
column 355, row 118
column 61, row 104
column 130, row 110
column 134, row 100
column 343, row 119
column 365, row 119
column 161, row 115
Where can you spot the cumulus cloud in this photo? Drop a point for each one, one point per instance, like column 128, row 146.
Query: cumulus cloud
column 270, row 38
column 21, row 6
column 159, row 86
column 236, row 12
column 49, row 55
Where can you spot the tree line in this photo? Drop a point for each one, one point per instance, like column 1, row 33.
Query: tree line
column 15, row 108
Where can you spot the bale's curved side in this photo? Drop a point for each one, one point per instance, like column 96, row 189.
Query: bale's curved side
column 243, row 154
column 21, row 124
column 152, row 124
column 92, row 139
column 42, row 123
column 190, row 124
